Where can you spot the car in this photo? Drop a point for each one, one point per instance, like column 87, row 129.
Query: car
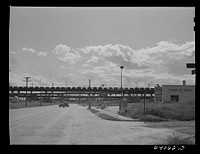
column 64, row 104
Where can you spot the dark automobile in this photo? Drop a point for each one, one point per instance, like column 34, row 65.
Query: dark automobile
column 64, row 104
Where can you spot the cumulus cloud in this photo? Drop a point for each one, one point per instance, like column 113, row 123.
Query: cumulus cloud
column 118, row 53
column 41, row 53
column 70, row 75
column 40, row 80
column 163, row 63
column 93, row 59
column 85, row 65
column 173, row 50
column 17, row 79
column 62, row 67
column 66, row 54
column 104, row 51
column 29, row 50
column 145, row 56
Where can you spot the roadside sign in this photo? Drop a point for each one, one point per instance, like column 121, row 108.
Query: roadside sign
column 190, row 65
column 194, row 71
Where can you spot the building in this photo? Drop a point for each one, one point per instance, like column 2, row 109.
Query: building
column 175, row 93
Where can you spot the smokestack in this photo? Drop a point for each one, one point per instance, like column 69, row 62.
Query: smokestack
column 184, row 83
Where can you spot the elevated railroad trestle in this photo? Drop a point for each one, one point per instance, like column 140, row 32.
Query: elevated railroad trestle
column 79, row 92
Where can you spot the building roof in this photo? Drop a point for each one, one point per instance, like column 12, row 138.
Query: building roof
column 178, row 85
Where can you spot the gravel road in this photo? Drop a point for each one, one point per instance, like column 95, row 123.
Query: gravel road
column 77, row 125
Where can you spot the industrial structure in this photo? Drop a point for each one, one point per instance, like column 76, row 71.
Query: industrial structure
column 164, row 93
column 175, row 93
column 78, row 93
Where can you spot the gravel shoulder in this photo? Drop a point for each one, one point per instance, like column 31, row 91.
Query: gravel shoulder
column 185, row 127
column 183, row 130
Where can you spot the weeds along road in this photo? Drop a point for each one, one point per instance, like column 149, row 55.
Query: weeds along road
column 77, row 125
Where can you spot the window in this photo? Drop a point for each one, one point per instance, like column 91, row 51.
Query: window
column 174, row 98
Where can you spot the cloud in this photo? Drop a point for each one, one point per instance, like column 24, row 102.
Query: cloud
column 41, row 53
column 117, row 53
column 143, row 57
column 172, row 50
column 163, row 63
column 62, row 67
column 40, row 80
column 65, row 54
column 17, row 79
column 70, row 75
column 93, row 59
column 104, row 51
column 29, row 50
column 85, row 65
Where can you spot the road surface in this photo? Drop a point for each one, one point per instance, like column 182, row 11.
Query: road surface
column 77, row 125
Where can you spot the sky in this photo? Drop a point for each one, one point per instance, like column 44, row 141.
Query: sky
column 67, row 46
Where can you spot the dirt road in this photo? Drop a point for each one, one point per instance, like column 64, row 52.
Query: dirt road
column 76, row 125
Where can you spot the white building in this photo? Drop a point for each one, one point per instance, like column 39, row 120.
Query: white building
column 175, row 93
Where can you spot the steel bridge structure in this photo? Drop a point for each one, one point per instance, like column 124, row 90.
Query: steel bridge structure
column 79, row 93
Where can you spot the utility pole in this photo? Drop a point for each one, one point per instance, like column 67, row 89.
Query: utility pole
column 66, row 90
column 52, row 94
column 9, row 82
column 89, row 94
column 27, row 80
column 120, row 106
column 144, row 103
column 89, row 82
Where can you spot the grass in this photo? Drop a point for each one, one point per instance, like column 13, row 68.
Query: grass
column 180, row 140
column 93, row 110
column 103, row 116
column 107, row 117
column 100, row 102
column 152, row 118
column 184, row 127
column 176, row 111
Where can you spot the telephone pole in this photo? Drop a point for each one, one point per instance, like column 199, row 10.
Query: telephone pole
column 120, row 105
column 9, row 82
column 89, row 94
column 66, row 91
column 27, row 80
column 89, row 82
column 144, row 102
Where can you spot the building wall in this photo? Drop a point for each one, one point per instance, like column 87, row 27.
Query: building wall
column 185, row 93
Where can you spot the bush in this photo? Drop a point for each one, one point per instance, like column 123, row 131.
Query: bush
column 151, row 118
column 177, row 111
